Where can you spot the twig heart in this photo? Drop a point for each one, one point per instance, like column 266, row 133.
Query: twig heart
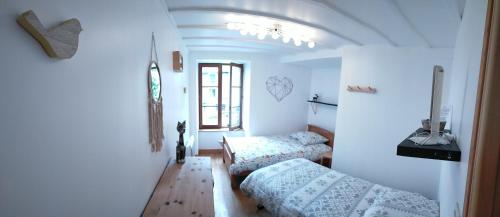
column 279, row 87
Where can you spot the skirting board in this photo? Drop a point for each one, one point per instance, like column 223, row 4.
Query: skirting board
column 209, row 151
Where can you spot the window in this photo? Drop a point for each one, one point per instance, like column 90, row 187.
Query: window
column 220, row 95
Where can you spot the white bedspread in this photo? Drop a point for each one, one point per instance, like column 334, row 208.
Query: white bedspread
column 252, row 153
column 302, row 188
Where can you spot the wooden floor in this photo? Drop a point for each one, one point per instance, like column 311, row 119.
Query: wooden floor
column 184, row 190
column 229, row 202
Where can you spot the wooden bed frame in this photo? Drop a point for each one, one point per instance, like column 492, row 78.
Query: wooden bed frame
column 228, row 155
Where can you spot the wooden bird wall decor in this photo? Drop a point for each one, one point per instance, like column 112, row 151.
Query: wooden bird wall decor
column 60, row 41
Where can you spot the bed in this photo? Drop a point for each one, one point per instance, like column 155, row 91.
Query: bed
column 301, row 188
column 243, row 155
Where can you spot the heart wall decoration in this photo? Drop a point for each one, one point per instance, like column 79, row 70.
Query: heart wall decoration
column 279, row 87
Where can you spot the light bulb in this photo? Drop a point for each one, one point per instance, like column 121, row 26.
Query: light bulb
column 311, row 44
column 286, row 39
column 261, row 36
column 297, row 42
column 243, row 32
column 231, row 26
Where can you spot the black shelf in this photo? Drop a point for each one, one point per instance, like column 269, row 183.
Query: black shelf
column 449, row 152
column 323, row 103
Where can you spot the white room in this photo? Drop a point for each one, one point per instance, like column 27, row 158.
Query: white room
column 249, row 108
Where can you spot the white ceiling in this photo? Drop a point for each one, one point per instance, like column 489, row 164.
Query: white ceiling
column 320, row 63
column 423, row 23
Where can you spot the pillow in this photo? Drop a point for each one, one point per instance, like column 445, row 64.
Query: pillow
column 395, row 203
column 309, row 138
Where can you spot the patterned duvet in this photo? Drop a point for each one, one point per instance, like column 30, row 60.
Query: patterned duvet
column 252, row 153
column 302, row 188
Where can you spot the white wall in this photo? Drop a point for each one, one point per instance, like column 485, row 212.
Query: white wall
column 74, row 133
column 266, row 116
column 466, row 64
column 325, row 82
column 370, row 126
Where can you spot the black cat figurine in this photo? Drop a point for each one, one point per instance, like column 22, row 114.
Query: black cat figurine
column 181, row 149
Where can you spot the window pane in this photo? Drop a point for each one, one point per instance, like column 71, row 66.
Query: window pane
column 236, row 96
column 226, row 68
column 225, row 96
column 225, row 117
column 209, row 76
column 209, row 115
column 210, row 96
column 236, row 76
column 235, row 116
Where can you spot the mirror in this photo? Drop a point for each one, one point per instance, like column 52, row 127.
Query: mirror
column 155, row 81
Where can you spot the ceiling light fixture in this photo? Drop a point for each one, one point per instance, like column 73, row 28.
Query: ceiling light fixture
column 262, row 27
column 297, row 42
column 275, row 34
column 311, row 44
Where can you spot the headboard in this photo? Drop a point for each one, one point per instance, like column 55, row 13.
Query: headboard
column 327, row 134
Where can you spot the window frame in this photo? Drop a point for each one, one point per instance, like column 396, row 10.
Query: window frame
column 219, row 101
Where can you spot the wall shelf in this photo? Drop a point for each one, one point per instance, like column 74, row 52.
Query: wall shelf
column 322, row 103
column 449, row 152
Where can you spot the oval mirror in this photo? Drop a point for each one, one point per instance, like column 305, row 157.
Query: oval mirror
column 155, row 85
